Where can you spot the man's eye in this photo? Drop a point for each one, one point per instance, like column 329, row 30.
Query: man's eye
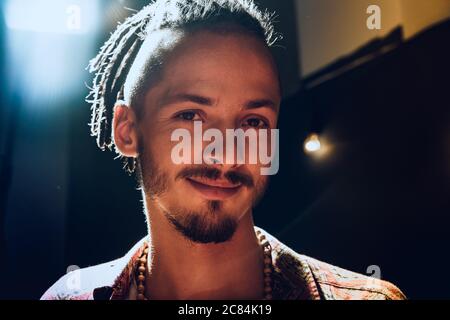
column 255, row 123
column 189, row 116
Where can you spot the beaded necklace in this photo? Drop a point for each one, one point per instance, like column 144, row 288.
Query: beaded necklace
column 264, row 243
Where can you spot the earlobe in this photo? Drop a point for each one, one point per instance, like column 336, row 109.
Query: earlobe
column 125, row 131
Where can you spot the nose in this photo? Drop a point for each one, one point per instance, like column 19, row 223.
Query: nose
column 223, row 158
column 221, row 164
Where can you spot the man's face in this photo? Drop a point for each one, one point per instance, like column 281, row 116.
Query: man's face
column 224, row 81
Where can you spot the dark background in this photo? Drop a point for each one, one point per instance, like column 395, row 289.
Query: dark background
column 381, row 197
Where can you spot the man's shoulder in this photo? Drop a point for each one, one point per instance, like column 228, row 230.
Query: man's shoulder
column 95, row 282
column 81, row 284
column 302, row 277
column 326, row 281
column 335, row 283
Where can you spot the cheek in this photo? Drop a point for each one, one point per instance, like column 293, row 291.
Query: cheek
column 159, row 145
column 255, row 171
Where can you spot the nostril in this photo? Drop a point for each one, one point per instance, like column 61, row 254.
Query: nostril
column 214, row 161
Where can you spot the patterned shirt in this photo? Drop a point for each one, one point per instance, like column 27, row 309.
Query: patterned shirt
column 294, row 277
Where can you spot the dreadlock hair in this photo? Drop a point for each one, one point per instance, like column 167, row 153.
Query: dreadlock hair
column 113, row 63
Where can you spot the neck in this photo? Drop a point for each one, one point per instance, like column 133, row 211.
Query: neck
column 182, row 270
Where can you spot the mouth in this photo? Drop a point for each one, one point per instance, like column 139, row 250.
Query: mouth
column 214, row 189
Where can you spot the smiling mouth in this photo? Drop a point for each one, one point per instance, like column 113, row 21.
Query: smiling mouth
column 214, row 189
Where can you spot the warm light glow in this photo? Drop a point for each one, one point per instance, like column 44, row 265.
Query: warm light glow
column 312, row 143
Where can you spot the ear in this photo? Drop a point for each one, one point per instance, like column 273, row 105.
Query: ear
column 125, row 133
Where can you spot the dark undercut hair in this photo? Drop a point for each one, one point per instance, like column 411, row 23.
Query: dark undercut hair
column 112, row 64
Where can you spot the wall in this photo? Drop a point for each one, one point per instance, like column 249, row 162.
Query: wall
column 329, row 29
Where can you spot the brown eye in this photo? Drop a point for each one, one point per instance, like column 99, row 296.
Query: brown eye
column 188, row 116
column 255, row 123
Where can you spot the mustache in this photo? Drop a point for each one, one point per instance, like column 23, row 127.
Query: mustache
column 235, row 177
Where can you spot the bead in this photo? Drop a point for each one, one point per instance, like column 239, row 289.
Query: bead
column 141, row 269
column 267, row 270
column 143, row 260
column 267, row 260
column 267, row 289
column 141, row 277
column 141, row 288
column 268, row 297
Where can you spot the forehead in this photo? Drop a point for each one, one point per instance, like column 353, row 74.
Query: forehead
column 229, row 66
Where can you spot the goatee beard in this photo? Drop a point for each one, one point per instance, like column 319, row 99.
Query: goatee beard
column 202, row 228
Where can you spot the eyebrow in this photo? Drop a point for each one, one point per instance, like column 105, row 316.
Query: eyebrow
column 205, row 101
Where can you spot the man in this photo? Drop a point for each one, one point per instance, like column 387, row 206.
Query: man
column 184, row 65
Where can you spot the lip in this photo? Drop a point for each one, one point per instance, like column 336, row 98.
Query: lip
column 214, row 189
